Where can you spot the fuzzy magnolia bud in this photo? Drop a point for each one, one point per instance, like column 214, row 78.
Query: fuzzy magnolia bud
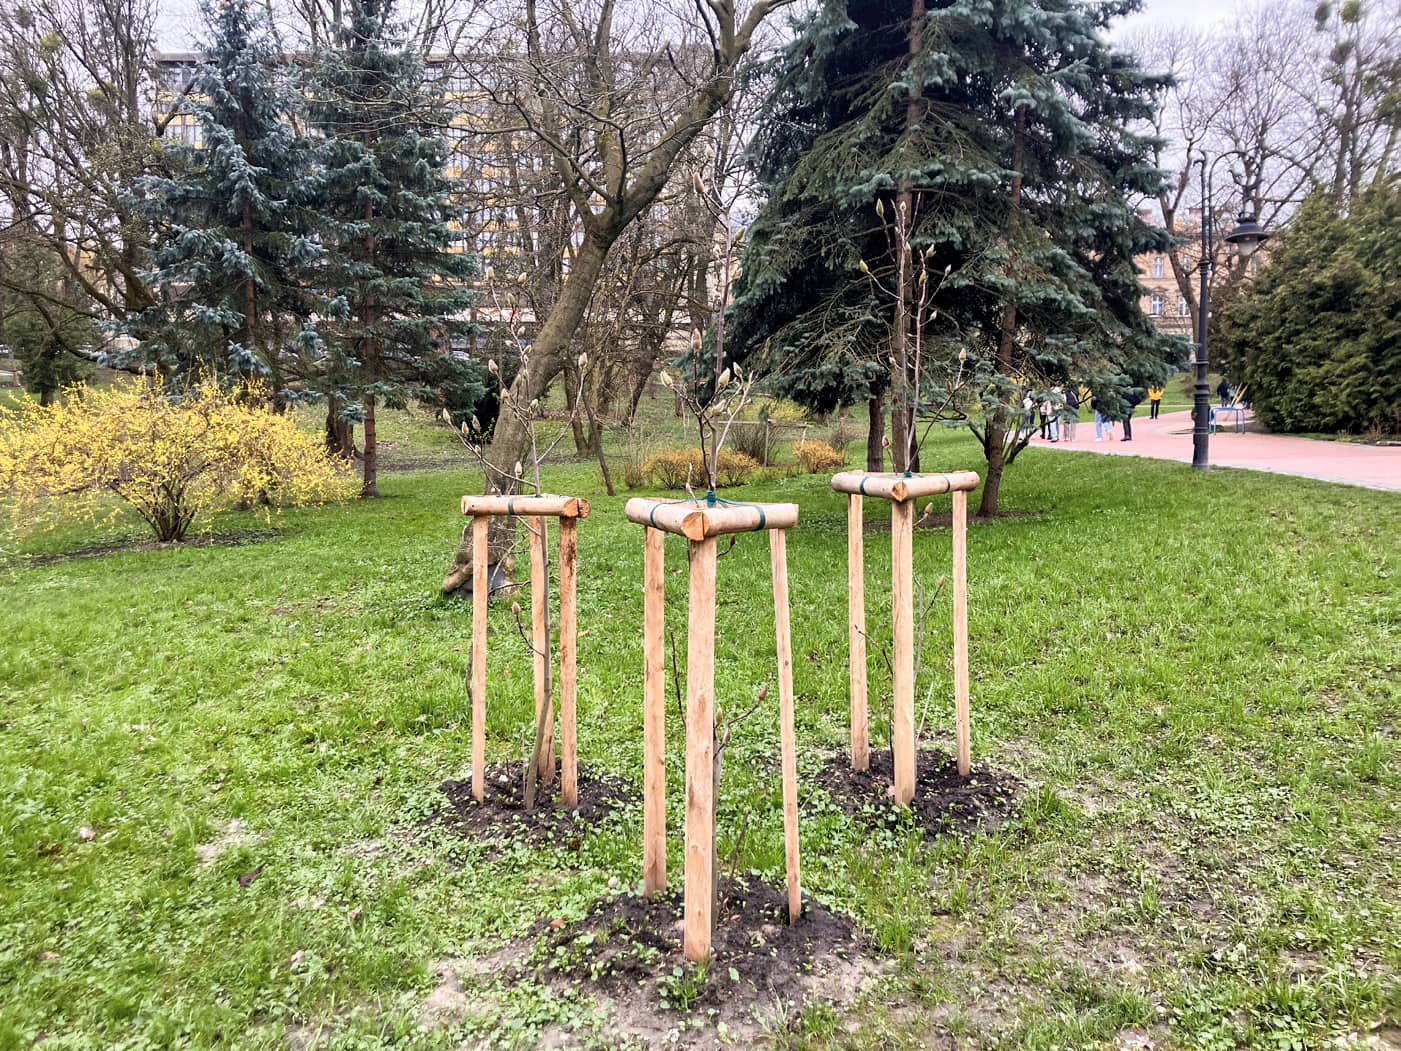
column 665, row 379
column 948, row 270
column 534, row 404
column 511, row 300
column 962, row 353
column 476, row 423
column 490, row 274
column 695, row 339
column 493, row 368
column 464, row 429
column 861, row 265
column 697, row 183
column 723, row 381
column 880, row 208
column 520, row 469
column 583, row 361
column 447, row 417
column 515, row 609
column 522, row 279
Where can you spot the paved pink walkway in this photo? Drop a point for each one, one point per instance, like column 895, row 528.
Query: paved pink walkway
column 1169, row 437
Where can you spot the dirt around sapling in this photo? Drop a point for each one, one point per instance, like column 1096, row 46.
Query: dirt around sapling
column 502, row 813
column 627, row 954
column 945, row 801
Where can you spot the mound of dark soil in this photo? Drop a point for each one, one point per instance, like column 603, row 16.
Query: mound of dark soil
column 502, row 813
column 627, row 953
column 945, row 801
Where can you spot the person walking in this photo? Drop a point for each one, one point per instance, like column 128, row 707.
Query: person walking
column 1028, row 415
column 1104, row 426
column 1131, row 402
column 1072, row 412
column 1050, row 423
column 1155, row 401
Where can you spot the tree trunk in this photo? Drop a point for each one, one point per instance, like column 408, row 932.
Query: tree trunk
column 511, row 442
column 571, row 404
column 875, row 435
column 994, row 433
column 993, row 440
column 371, row 486
column 340, row 434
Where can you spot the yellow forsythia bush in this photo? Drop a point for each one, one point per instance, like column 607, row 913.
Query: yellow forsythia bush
column 676, row 468
column 816, row 457
column 169, row 460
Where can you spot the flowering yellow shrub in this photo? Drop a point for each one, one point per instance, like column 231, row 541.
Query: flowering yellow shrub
column 817, row 457
column 169, row 460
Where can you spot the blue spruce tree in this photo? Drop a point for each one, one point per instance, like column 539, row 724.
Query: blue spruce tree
column 1002, row 130
column 395, row 296
column 236, row 232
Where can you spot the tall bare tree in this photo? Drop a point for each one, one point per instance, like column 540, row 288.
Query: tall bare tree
column 77, row 128
column 615, row 95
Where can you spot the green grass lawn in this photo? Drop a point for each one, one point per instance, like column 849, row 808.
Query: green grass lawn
column 1195, row 675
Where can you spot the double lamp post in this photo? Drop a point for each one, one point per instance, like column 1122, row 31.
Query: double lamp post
column 1247, row 236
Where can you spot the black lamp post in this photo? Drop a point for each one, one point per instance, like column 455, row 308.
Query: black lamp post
column 1247, row 236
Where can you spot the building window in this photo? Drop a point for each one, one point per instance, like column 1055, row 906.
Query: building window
column 1182, row 310
column 1155, row 306
column 1157, row 266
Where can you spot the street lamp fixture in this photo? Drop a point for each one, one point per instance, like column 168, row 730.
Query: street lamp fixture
column 1247, row 236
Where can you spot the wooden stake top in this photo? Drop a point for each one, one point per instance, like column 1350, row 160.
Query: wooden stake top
column 697, row 520
column 553, row 506
column 897, row 486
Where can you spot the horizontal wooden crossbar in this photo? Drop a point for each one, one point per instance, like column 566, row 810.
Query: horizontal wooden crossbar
column 554, row 506
column 697, row 520
column 898, row 486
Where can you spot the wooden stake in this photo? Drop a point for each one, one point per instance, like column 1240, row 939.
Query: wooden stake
column 568, row 660
column 902, row 514
column 700, row 753
column 480, row 587
column 654, row 714
column 540, row 643
column 960, row 632
column 778, row 557
column 856, row 633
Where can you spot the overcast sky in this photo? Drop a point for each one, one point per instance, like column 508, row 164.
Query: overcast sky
column 1194, row 12
column 179, row 20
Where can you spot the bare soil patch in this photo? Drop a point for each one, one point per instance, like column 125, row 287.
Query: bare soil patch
column 627, row 954
column 502, row 813
column 945, row 801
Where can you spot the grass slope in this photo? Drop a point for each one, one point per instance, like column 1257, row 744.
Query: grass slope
column 1196, row 674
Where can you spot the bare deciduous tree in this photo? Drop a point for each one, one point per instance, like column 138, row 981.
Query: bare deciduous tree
column 615, row 94
column 77, row 128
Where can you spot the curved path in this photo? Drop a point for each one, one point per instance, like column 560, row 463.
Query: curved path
column 1169, row 437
